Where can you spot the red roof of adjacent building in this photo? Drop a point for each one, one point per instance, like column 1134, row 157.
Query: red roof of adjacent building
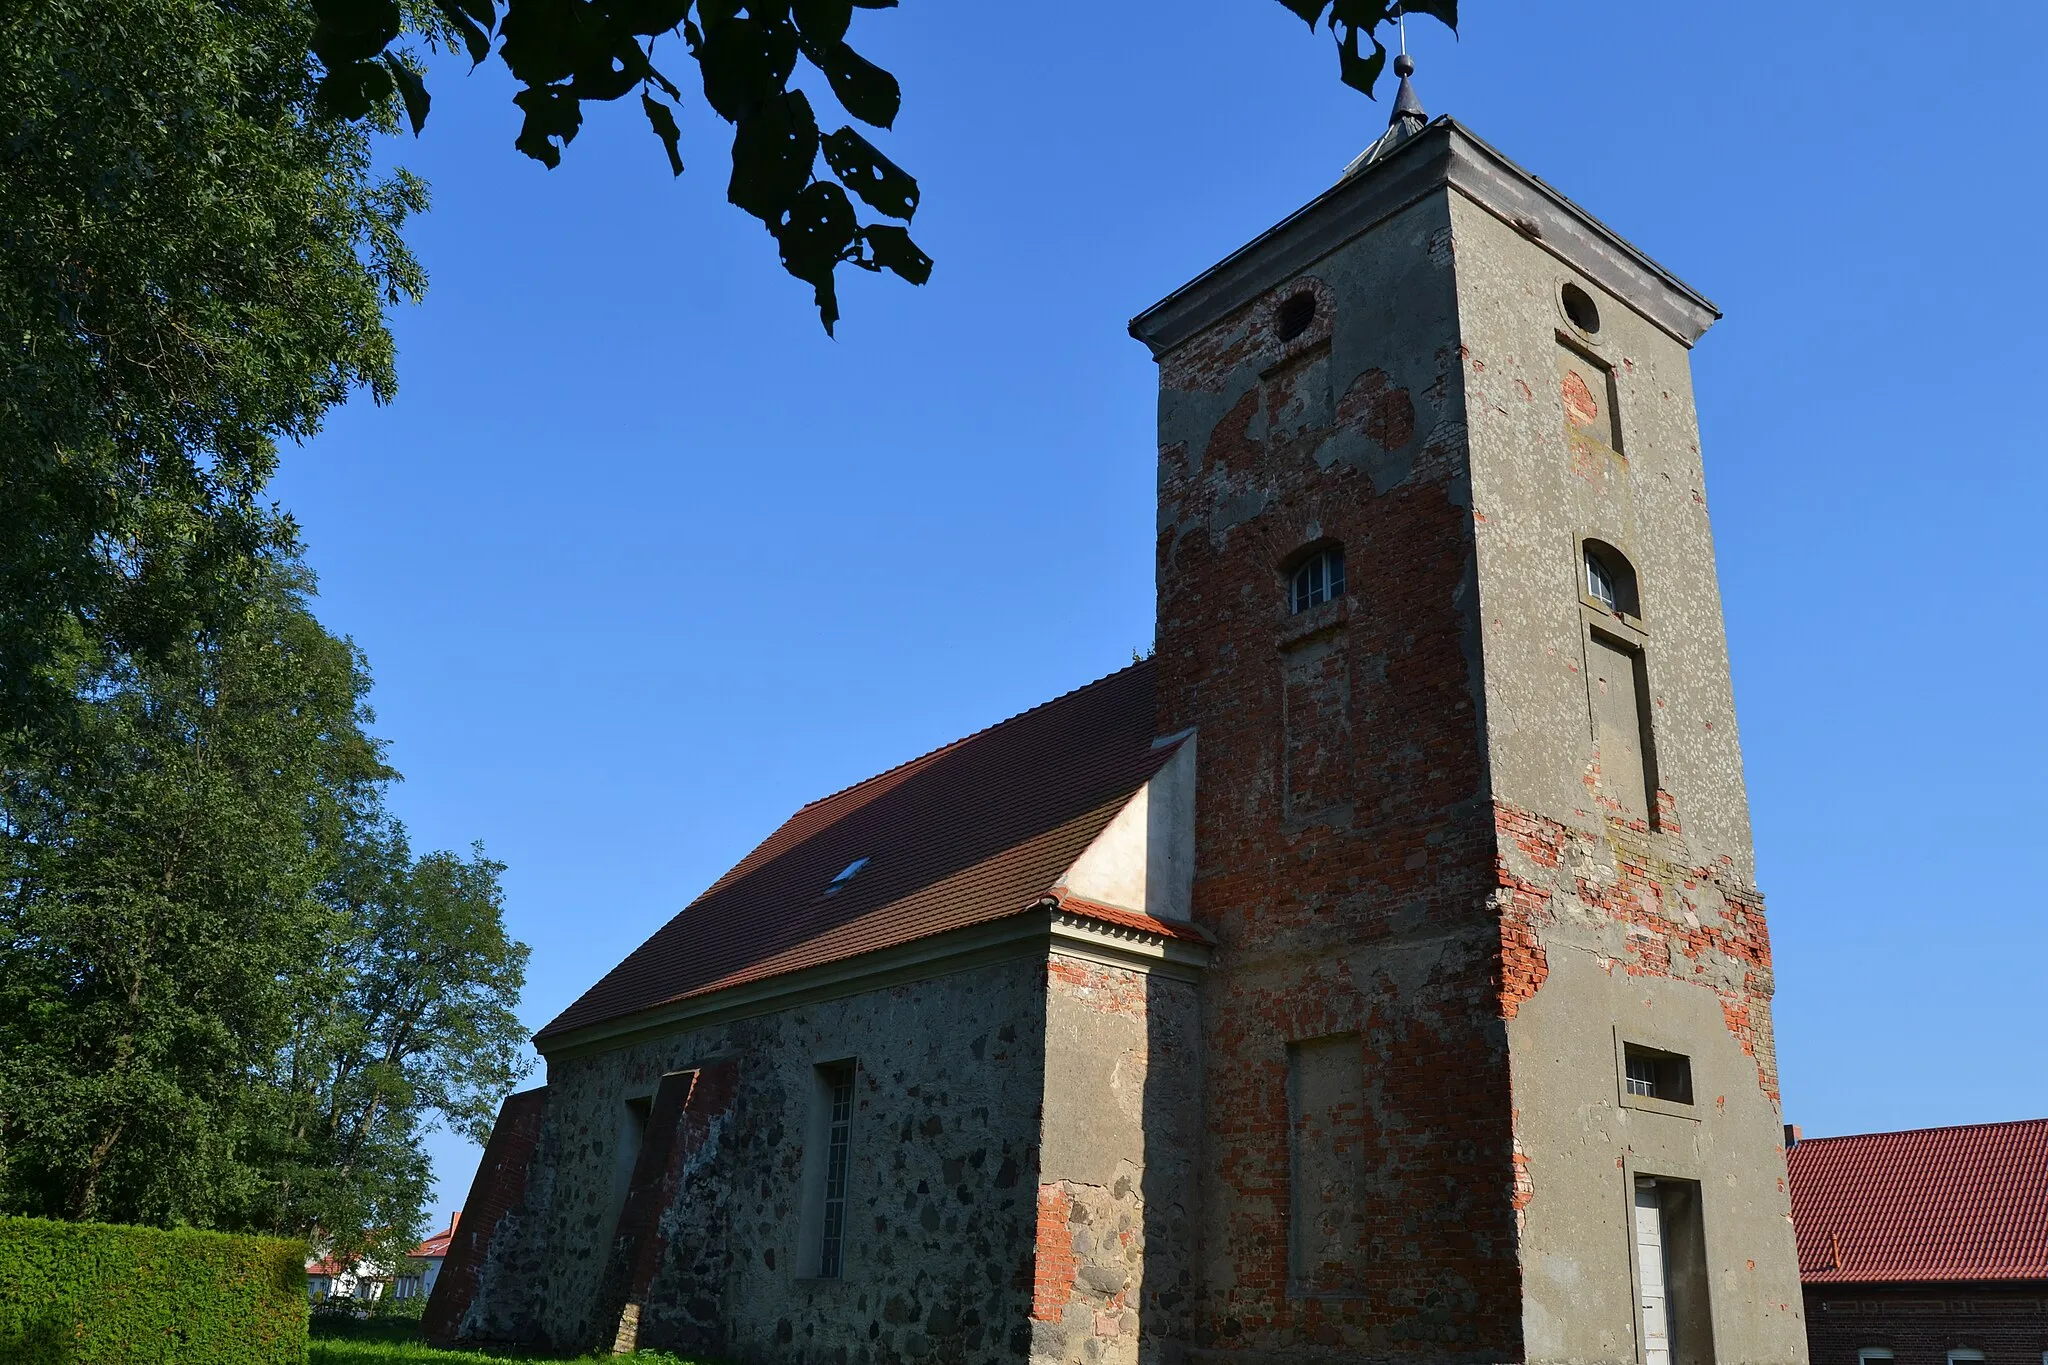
column 1967, row 1203
column 978, row 830
column 437, row 1245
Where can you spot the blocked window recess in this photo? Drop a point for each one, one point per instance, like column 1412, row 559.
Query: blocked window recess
column 1326, row 1156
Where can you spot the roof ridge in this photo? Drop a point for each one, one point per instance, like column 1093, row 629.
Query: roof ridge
column 1914, row 1132
column 954, row 744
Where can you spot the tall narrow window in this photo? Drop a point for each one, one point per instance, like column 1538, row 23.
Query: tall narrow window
column 1320, row 579
column 837, row 1086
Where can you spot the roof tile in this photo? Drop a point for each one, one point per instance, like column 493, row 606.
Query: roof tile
column 975, row 831
column 1934, row 1204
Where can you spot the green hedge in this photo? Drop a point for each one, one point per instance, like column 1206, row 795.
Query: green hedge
column 94, row 1294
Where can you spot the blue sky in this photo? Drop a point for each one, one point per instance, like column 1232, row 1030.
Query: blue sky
column 642, row 560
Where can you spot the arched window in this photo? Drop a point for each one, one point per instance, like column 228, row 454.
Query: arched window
column 1611, row 580
column 1318, row 579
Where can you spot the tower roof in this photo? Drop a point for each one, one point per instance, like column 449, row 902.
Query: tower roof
column 1405, row 122
column 1439, row 154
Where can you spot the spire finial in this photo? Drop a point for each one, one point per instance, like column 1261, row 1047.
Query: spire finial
column 1406, row 120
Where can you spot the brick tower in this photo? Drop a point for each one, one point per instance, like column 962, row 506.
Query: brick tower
column 1489, row 1065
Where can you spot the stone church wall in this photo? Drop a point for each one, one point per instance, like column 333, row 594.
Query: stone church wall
column 1115, row 1268
column 941, row 1199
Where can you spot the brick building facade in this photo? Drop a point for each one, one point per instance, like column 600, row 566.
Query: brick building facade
column 1377, row 973
column 1926, row 1247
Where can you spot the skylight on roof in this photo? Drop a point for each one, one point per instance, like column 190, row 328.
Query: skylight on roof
column 840, row 881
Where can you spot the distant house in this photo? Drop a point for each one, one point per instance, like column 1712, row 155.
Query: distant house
column 423, row 1267
column 328, row 1278
column 1925, row 1248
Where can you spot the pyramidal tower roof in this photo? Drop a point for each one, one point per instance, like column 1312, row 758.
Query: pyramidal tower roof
column 1405, row 122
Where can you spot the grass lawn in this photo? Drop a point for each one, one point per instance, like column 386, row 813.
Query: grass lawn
column 376, row 1343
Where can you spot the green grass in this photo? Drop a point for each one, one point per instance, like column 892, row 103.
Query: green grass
column 374, row 1343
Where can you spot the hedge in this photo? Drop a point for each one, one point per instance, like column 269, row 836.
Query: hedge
column 96, row 1294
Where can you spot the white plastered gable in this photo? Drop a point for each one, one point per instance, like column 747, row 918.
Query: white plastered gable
column 1144, row 859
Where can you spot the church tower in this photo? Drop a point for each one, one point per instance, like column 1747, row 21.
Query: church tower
column 1487, row 1033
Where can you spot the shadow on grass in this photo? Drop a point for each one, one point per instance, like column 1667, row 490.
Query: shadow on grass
column 374, row 1341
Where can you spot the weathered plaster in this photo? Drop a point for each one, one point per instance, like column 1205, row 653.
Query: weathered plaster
column 1144, row 859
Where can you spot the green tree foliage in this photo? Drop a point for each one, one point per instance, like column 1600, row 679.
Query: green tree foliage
column 192, row 267
column 229, row 994
column 411, row 1022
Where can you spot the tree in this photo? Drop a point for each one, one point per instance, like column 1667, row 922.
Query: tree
column 411, row 1024
column 229, row 994
column 157, row 879
column 193, row 267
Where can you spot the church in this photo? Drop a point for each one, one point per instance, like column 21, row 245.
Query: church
column 1375, row 973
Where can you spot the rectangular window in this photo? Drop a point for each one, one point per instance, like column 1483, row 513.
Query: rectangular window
column 1326, row 1151
column 837, row 1144
column 828, row 1159
column 1874, row 1355
column 1657, row 1075
column 1963, row 1355
column 1621, row 725
column 1671, row 1273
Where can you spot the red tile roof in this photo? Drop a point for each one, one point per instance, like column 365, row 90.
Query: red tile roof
column 437, row 1245
column 972, row 832
column 1968, row 1203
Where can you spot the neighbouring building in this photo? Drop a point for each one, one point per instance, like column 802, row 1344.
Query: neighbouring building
column 328, row 1278
column 1376, row 973
column 1926, row 1247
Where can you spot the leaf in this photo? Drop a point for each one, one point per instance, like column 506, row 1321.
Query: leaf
column 664, row 123
column 541, row 40
column 822, row 21
column 746, row 64
column 412, row 89
column 351, row 90
column 473, row 26
column 652, row 16
column 1360, row 72
column 353, row 30
column 772, row 154
column 1310, row 10
column 821, row 231
column 1444, row 12
column 890, row 247
column 552, row 111
column 608, row 72
column 880, row 182
column 869, row 93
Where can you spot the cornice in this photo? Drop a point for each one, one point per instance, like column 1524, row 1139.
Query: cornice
column 1444, row 156
column 1040, row 931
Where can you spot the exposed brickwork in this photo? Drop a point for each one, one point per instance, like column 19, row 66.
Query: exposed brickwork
column 1345, row 862
column 498, row 1187
column 1921, row 1324
column 1052, row 1277
column 689, row 1110
column 1641, row 903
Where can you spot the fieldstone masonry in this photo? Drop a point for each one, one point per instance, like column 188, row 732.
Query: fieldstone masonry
column 1465, row 839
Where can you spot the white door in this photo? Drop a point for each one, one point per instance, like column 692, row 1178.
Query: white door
column 1655, row 1301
